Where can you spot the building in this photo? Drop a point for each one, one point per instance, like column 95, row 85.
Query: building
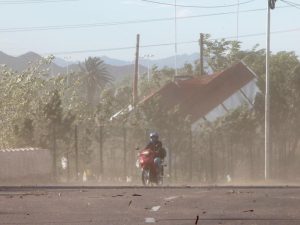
column 211, row 96
column 20, row 165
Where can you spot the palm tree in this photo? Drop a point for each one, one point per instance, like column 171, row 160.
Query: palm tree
column 95, row 77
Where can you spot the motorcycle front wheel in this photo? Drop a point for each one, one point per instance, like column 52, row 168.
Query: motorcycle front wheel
column 146, row 177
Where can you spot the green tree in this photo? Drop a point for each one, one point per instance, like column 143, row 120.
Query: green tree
column 95, row 77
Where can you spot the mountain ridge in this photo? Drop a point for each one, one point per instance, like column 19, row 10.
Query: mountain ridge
column 119, row 69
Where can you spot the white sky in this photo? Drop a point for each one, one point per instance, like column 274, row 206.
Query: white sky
column 118, row 36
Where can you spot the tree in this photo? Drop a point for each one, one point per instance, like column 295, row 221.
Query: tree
column 221, row 54
column 95, row 77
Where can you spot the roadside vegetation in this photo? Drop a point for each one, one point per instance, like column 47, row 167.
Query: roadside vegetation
column 45, row 111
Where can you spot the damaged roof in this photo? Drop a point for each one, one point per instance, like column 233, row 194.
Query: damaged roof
column 198, row 96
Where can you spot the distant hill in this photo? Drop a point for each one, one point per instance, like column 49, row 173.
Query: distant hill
column 21, row 62
column 119, row 69
column 164, row 62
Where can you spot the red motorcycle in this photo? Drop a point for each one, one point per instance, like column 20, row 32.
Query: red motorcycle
column 150, row 174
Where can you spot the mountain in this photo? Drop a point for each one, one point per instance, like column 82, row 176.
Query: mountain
column 115, row 62
column 18, row 63
column 22, row 62
column 118, row 68
column 168, row 62
column 62, row 62
column 164, row 62
column 59, row 65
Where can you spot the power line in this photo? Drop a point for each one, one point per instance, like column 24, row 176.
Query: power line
column 198, row 6
column 292, row 4
column 34, row 2
column 167, row 44
column 90, row 25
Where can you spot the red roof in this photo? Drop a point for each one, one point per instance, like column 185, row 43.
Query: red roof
column 198, row 96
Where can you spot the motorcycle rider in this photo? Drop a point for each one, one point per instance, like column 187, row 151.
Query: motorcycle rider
column 156, row 145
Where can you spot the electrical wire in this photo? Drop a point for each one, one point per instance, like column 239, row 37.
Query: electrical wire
column 291, row 4
column 34, row 2
column 198, row 6
column 167, row 44
column 79, row 26
column 294, row 3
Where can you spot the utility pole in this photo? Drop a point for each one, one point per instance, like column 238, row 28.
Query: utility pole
column 237, row 20
column 271, row 5
column 148, row 56
column 175, row 23
column 136, row 72
column 201, row 43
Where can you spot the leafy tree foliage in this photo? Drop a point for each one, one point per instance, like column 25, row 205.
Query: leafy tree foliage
column 95, row 77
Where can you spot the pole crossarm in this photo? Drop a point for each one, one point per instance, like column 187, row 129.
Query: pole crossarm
column 272, row 4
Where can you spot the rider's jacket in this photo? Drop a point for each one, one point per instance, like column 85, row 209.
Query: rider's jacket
column 157, row 147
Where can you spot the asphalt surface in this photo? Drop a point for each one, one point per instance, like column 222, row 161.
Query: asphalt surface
column 136, row 205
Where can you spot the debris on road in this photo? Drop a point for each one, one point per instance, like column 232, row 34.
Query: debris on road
column 250, row 210
column 171, row 198
column 117, row 196
column 197, row 219
column 155, row 208
column 150, row 220
column 233, row 192
column 136, row 195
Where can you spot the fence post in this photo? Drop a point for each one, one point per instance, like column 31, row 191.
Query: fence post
column 76, row 152
column 212, row 172
column 125, row 151
column 191, row 156
column 54, row 152
column 101, row 168
column 170, row 155
column 68, row 166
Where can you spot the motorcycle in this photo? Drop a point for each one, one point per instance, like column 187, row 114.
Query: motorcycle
column 150, row 174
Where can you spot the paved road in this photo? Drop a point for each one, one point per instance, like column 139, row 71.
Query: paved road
column 134, row 205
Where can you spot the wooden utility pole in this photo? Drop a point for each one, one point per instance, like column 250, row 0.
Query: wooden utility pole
column 136, row 71
column 201, row 44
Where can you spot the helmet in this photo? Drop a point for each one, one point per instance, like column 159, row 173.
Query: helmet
column 154, row 136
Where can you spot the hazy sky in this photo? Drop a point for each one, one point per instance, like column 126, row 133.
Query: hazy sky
column 61, row 12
